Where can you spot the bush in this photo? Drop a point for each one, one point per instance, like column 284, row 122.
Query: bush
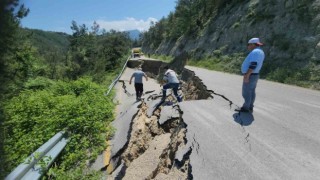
column 163, row 58
column 38, row 83
column 279, row 75
column 303, row 75
column 79, row 107
column 219, row 62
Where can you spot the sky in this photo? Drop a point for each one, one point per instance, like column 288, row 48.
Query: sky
column 120, row 15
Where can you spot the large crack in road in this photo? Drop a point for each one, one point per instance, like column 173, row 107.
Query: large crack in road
column 151, row 148
column 157, row 133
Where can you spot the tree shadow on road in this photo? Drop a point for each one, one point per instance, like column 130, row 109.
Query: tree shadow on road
column 243, row 118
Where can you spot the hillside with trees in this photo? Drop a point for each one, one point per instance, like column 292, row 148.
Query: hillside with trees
column 46, row 41
column 215, row 34
column 52, row 81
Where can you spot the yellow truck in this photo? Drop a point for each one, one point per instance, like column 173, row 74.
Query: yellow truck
column 136, row 52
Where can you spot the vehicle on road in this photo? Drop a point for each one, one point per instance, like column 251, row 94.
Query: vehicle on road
column 136, row 52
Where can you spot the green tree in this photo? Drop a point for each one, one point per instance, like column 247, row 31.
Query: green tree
column 95, row 28
column 112, row 46
column 10, row 15
column 91, row 53
column 82, row 51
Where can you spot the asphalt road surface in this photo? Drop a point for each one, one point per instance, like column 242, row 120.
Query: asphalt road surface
column 279, row 140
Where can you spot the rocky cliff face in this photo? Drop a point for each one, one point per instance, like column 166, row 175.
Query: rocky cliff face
column 290, row 30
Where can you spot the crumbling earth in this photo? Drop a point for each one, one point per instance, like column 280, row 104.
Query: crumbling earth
column 156, row 133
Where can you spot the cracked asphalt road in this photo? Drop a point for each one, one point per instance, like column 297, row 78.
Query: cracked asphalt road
column 279, row 140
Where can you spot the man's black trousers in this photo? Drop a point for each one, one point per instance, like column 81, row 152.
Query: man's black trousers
column 139, row 89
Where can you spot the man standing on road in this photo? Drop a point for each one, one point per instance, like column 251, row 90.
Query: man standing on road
column 138, row 84
column 250, row 69
column 172, row 82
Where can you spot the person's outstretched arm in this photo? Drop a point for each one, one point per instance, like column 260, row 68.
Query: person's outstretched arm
column 131, row 79
column 146, row 77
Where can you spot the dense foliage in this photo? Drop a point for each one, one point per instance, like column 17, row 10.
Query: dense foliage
column 94, row 54
column 78, row 107
column 46, row 41
column 54, row 81
column 10, row 61
column 12, row 64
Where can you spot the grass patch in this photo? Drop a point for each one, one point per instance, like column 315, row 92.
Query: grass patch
column 218, row 62
column 163, row 58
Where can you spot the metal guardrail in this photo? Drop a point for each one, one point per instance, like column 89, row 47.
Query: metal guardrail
column 117, row 78
column 48, row 152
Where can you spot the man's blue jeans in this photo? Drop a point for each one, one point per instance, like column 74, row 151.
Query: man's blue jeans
column 249, row 92
column 175, row 87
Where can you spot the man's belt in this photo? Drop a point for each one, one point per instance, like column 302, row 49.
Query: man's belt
column 252, row 74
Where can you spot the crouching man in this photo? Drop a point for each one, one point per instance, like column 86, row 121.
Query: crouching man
column 172, row 82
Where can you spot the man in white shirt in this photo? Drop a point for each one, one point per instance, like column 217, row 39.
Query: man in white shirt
column 138, row 84
column 172, row 82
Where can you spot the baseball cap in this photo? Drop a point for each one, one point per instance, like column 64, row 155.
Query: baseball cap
column 255, row 41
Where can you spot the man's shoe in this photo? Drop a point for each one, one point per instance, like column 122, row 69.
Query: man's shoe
column 179, row 99
column 242, row 110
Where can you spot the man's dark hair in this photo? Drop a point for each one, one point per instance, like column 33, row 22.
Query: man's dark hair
column 166, row 67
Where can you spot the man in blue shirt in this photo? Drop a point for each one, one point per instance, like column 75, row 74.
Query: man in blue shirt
column 138, row 84
column 250, row 69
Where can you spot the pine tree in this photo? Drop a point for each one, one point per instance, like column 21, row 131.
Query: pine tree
column 9, row 23
column 10, row 15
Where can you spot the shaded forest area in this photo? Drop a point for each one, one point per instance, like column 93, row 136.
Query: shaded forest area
column 53, row 81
